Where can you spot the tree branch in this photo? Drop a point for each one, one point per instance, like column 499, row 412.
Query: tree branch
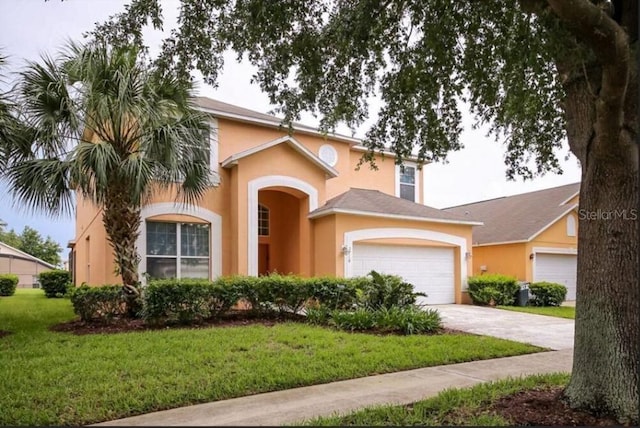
column 610, row 44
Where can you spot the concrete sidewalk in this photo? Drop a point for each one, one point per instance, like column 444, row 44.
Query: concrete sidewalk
column 295, row 405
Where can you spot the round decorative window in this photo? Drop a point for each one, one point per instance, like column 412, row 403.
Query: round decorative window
column 328, row 154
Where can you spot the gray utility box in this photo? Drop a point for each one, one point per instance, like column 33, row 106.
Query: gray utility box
column 522, row 297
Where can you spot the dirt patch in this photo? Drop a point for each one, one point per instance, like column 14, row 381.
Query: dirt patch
column 545, row 407
column 124, row 325
column 4, row 333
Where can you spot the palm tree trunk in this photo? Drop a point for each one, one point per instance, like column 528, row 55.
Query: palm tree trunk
column 121, row 220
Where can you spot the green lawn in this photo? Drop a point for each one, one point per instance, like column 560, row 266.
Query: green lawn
column 452, row 407
column 552, row 311
column 51, row 378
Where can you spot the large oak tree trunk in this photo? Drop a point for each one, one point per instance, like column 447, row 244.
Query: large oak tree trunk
column 606, row 366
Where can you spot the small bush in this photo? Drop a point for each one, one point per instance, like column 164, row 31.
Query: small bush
column 8, row 284
column 55, row 283
column 333, row 292
column 319, row 315
column 410, row 320
column 284, row 293
column 501, row 288
column 385, row 292
column 187, row 301
column 358, row 320
column 547, row 294
column 99, row 303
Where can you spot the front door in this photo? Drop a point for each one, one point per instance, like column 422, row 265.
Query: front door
column 263, row 259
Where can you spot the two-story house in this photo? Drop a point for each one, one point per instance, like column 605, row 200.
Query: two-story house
column 292, row 204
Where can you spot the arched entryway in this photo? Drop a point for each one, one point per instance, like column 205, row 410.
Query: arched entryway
column 279, row 232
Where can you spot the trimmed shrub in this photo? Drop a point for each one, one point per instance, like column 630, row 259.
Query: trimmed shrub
column 501, row 288
column 55, row 283
column 99, row 303
column 333, row 292
column 284, row 293
column 378, row 291
column 547, row 294
column 8, row 284
column 187, row 301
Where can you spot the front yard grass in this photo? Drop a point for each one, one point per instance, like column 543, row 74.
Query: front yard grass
column 552, row 311
column 51, row 378
column 452, row 407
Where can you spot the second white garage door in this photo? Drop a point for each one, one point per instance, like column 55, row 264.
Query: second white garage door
column 429, row 269
column 558, row 268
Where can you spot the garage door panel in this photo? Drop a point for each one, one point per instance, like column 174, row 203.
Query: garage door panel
column 558, row 268
column 429, row 269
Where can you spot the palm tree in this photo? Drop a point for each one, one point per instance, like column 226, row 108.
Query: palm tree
column 102, row 123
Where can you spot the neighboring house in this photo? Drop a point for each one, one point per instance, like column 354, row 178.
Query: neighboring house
column 533, row 236
column 292, row 204
column 26, row 266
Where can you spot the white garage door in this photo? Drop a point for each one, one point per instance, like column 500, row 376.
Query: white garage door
column 559, row 268
column 429, row 269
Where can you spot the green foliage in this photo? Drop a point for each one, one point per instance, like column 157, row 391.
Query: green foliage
column 99, row 304
column 187, row 301
column 334, row 292
column 31, row 242
column 547, row 294
column 404, row 320
column 385, row 292
column 285, row 293
column 8, row 284
column 501, row 288
column 344, row 52
column 319, row 315
column 360, row 319
column 55, row 283
column 409, row 320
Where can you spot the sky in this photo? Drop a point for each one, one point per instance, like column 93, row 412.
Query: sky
column 30, row 28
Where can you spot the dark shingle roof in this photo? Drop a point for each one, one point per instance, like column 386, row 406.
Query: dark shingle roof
column 378, row 203
column 517, row 217
column 252, row 115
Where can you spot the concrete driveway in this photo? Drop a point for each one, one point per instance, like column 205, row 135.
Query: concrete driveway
column 548, row 332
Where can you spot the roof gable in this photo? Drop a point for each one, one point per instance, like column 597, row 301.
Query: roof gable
column 518, row 218
column 377, row 204
column 8, row 249
column 293, row 143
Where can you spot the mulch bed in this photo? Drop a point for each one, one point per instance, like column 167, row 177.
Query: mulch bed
column 124, row 325
column 231, row 319
column 545, row 407
column 4, row 333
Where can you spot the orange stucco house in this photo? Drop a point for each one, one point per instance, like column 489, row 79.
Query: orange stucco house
column 532, row 236
column 291, row 203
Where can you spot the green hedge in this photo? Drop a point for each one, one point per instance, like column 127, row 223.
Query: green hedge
column 103, row 304
column 8, row 284
column 187, row 301
column 55, row 283
column 547, row 294
column 501, row 289
column 190, row 300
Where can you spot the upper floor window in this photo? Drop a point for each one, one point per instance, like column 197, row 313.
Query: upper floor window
column 571, row 225
column 407, row 183
column 263, row 220
column 177, row 250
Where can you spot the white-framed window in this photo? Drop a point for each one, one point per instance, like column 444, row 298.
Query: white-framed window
column 263, row 220
column 407, row 182
column 571, row 225
column 177, row 250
